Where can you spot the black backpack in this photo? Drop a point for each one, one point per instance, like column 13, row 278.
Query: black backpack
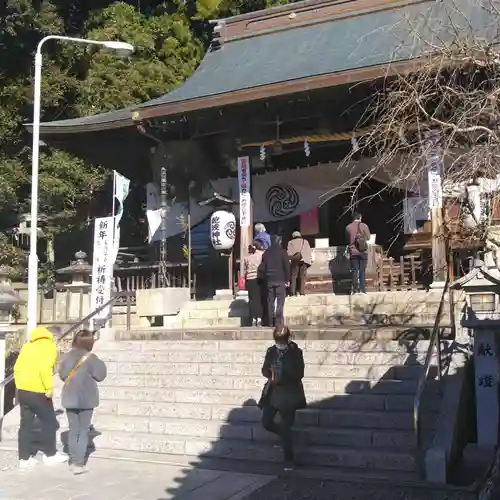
column 360, row 241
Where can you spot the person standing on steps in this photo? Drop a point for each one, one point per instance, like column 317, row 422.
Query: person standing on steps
column 275, row 270
column 80, row 370
column 283, row 393
column 33, row 377
column 262, row 235
column 253, row 285
column 299, row 252
column 358, row 236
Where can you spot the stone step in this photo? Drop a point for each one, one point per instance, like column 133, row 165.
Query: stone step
column 252, row 431
column 333, row 386
column 189, row 461
column 259, row 346
column 365, row 459
column 326, row 370
column 357, row 438
column 311, row 358
column 223, row 404
column 212, row 322
column 293, row 309
column 329, row 299
column 324, row 319
column 312, row 417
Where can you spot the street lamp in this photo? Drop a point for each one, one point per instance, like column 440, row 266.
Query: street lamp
column 123, row 49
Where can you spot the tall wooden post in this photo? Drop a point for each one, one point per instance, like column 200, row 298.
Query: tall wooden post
column 244, row 186
column 434, row 172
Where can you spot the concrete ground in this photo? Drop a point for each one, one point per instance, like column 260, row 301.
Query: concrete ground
column 123, row 480
column 129, row 479
column 301, row 488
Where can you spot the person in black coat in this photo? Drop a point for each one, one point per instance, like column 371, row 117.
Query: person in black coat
column 275, row 271
column 283, row 393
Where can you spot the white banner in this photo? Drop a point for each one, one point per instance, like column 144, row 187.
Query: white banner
column 102, row 266
column 435, row 189
column 121, row 188
column 434, row 166
column 244, row 190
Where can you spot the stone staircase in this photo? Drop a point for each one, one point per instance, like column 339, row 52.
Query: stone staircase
column 321, row 309
column 196, row 399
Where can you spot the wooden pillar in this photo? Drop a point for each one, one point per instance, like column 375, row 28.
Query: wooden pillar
column 246, row 207
column 434, row 171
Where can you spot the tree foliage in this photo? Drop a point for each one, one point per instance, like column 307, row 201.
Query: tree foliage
column 169, row 36
column 78, row 80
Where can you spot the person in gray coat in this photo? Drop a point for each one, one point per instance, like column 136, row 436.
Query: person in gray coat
column 80, row 370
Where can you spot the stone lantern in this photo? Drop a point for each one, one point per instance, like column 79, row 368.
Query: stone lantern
column 80, row 271
column 481, row 316
column 79, row 286
column 8, row 299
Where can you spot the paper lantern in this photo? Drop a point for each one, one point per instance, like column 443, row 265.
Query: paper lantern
column 222, row 230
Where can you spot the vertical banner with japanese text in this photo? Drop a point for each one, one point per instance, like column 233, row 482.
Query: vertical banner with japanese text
column 244, row 188
column 434, row 155
column 102, row 272
column 486, row 373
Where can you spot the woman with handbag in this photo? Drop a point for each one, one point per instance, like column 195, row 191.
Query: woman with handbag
column 251, row 267
column 80, row 370
column 300, row 255
column 283, row 393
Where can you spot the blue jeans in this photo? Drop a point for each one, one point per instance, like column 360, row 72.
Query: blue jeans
column 358, row 269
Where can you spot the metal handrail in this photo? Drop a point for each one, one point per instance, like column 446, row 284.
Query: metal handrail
column 422, row 381
column 71, row 329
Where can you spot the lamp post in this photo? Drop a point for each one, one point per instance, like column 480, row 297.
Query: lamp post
column 122, row 49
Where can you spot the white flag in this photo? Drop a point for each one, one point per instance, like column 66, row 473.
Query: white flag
column 122, row 186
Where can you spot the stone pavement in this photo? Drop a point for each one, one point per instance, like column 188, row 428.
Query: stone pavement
column 125, row 480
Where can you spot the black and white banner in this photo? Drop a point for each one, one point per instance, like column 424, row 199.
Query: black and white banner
column 275, row 195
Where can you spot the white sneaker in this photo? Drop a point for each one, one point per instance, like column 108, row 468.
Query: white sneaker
column 28, row 464
column 78, row 469
column 58, row 458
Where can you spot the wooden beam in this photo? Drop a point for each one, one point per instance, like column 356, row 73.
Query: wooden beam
column 439, row 261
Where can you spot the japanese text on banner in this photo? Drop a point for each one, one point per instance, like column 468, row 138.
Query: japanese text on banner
column 434, row 166
column 102, row 266
column 244, row 188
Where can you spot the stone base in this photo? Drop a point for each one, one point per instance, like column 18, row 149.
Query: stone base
column 161, row 301
column 224, row 294
column 438, row 285
column 107, row 335
column 476, row 459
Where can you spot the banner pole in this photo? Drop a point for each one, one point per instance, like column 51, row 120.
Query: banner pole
column 112, row 270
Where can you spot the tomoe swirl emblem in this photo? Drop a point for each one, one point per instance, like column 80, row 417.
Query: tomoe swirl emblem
column 230, row 230
column 282, row 200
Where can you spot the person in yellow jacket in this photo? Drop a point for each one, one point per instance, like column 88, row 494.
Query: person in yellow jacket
column 33, row 376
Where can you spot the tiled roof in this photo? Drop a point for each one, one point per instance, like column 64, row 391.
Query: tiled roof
column 336, row 44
